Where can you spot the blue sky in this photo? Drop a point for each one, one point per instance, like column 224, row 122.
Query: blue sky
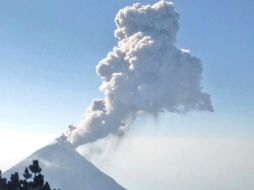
column 49, row 50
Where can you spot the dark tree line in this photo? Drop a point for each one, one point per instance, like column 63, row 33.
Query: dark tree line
column 31, row 181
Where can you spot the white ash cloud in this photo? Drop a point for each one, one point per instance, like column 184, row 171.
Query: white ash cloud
column 144, row 74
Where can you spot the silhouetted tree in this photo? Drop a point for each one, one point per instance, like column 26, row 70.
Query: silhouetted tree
column 35, row 168
column 38, row 181
column 46, row 186
column 3, row 182
column 26, row 174
column 15, row 183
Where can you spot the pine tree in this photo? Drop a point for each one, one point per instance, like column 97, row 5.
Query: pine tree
column 39, row 181
column 3, row 182
column 46, row 186
column 26, row 174
column 16, row 184
column 35, row 168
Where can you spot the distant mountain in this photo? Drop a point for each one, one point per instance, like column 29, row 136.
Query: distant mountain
column 63, row 167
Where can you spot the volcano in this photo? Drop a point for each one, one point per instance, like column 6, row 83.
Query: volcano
column 63, row 167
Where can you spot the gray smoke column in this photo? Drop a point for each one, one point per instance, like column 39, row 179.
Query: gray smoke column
column 144, row 74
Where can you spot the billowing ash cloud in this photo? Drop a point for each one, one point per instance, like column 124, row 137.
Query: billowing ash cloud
column 144, row 74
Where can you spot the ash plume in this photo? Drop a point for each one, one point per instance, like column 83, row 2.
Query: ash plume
column 144, row 74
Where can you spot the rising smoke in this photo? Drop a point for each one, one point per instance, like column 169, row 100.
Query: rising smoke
column 144, row 74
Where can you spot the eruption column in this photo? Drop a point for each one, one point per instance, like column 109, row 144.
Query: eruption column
column 144, row 74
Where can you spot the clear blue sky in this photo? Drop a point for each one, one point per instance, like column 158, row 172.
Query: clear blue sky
column 48, row 53
column 49, row 50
